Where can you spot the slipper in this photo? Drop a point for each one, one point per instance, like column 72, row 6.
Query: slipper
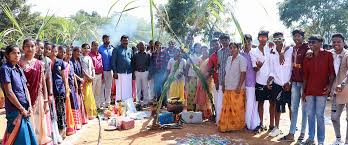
column 110, row 128
column 287, row 139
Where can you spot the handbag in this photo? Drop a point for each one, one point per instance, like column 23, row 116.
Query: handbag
column 192, row 117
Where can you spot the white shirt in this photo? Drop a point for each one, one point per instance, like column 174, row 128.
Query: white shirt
column 256, row 55
column 87, row 64
column 281, row 73
column 337, row 59
column 171, row 64
column 196, row 60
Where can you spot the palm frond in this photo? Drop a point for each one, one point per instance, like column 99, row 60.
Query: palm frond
column 112, row 6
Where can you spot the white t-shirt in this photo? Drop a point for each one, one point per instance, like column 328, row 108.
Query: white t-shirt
column 281, row 73
column 256, row 55
column 171, row 64
column 87, row 65
column 196, row 61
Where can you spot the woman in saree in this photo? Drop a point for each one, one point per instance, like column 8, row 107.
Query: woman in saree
column 73, row 87
column 89, row 74
column 202, row 99
column 177, row 88
column 19, row 129
column 70, row 123
column 34, row 71
column 76, row 61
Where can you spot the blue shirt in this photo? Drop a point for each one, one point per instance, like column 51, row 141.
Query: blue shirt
column 15, row 76
column 58, row 83
column 121, row 60
column 106, row 53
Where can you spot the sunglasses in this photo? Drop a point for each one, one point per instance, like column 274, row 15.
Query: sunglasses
column 278, row 39
column 312, row 41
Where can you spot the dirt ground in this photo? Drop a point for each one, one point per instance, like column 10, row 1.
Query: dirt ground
column 88, row 135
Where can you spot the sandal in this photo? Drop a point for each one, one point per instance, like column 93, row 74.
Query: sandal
column 287, row 138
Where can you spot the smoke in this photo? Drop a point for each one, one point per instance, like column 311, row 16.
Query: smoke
column 127, row 26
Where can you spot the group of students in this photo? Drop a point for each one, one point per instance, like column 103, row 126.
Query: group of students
column 51, row 91
column 285, row 76
column 48, row 92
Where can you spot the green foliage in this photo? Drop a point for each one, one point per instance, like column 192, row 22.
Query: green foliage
column 317, row 16
column 191, row 18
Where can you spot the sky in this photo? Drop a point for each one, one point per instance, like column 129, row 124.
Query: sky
column 253, row 15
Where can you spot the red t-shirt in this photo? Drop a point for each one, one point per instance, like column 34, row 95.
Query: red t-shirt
column 316, row 73
column 213, row 64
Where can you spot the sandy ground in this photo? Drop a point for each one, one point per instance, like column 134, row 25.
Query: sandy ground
column 88, row 135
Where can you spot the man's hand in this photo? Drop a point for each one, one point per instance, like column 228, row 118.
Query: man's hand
column 326, row 90
column 303, row 97
column 115, row 76
column 287, row 87
column 339, row 88
column 259, row 64
column 309, row 53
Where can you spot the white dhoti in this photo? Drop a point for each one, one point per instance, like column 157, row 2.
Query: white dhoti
column 124, row 87
column 108, row 78
column 252, row 118
column 151, row 89
column 218, row 96
column 98, row 92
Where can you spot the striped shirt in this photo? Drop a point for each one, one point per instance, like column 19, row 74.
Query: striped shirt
column 223, row 54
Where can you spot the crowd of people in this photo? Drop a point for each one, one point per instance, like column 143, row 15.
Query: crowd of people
column 50, row 91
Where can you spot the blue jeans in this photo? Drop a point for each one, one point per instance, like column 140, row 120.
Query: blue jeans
column 296, row 93
column 315, row 109
column 159, row 80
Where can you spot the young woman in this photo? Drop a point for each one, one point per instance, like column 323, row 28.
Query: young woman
column 60, row 90
column 70, row 123
column 192, row 77
column 73, row 87
column 53, row 126
column 19, row 129
column 177, row 87
column 34, row 71
column 76, row 61
column 89, row 74
column 201, row 97
column 233, row 104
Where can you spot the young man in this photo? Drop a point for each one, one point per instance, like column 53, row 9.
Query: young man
column 340, row 101
column 299, row 53
column 106, row 52
column 252, row 118
column 222, row 54
column 319, row 75
column 141, row 63
column 98, row 85
column 279, row 80
column 260, row 60
column 122, row 68
column 213, row 72
column 159, row 61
